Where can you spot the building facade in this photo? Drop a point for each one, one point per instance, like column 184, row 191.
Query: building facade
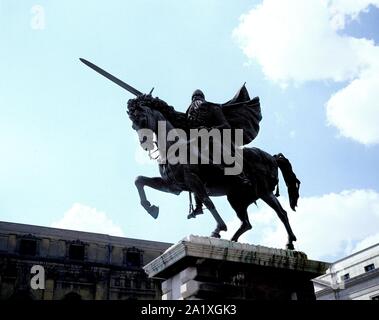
column 76, row 265
column 355, row 277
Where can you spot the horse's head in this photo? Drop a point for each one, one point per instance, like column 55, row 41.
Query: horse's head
column 143, row 121
column 146, row 120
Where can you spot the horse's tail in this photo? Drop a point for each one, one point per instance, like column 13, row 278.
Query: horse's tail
column 292, row 182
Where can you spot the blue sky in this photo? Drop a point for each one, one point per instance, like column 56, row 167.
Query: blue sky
column 68, row 152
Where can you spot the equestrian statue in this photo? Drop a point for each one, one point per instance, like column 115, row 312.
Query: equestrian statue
column 230, row 126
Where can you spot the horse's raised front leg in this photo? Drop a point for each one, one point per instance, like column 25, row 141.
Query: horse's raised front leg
column 274, row 203
column 155, row 183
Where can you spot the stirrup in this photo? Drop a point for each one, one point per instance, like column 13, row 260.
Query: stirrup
column 195, row 212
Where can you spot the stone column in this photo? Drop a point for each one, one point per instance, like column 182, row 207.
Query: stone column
column 44, row 247
column 205, row 268
column 12, row 243
column 101, row 290
column 49, row 290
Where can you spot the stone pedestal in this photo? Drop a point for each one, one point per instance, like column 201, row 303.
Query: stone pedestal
column 210, row 268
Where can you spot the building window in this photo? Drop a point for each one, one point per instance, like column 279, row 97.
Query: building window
column 127, row 283
column 137, row 283
column 117, row 282
column 346, row 277
column 148, row 284
column 133, row 257
column 375, row 298
column 28, row 247
column 369, row 267
column 76, row 252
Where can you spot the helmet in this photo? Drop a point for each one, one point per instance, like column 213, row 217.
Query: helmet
column 198, row 94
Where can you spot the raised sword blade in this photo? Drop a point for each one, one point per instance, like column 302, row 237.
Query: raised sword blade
column 107, row 75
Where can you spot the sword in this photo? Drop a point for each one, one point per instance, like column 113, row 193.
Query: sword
column 117, row 81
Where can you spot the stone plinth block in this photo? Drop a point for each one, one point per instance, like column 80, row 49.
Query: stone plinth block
column 210, row 268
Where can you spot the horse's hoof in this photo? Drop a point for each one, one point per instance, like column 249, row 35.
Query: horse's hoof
column 197, row 212
column 146, row 204
column 223, row 228
column 215, row 235
column 290, row 246
column 153, row 211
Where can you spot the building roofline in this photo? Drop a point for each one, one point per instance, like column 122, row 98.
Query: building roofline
column 52, row 230
column 355, row 253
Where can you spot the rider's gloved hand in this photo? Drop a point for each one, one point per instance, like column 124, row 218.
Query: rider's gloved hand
column 144, row 97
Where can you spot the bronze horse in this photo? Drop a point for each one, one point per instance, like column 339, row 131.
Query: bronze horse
column 259, row 166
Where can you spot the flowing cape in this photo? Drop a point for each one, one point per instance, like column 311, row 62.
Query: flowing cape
column 241, row 112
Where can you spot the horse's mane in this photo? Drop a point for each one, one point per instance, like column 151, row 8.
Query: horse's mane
column 176, row 118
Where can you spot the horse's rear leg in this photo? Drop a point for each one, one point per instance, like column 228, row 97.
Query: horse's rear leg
column 195, row 185
column 274, row 203
column 155, row 183
column 240, row 206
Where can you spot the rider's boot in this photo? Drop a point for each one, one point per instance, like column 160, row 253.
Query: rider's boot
column 198, row 208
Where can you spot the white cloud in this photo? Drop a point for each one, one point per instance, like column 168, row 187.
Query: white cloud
column 367, row 242
column 354, row 110
column 84, row 218
column 296, row 41
column 293, row 40
column 326, row 226
column 342, row 9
